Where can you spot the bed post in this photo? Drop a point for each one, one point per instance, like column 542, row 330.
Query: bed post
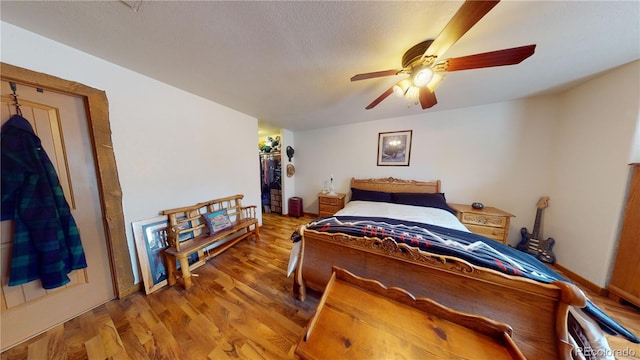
column 571, row 295
column 299, row 287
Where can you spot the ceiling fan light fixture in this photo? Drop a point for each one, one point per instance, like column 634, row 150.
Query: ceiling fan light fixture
column 412, row 93
column 422, row 76
column 401, row 87
column 426, row 73
column 436, row 80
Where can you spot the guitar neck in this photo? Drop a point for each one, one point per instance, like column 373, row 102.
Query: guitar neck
column 536, row 225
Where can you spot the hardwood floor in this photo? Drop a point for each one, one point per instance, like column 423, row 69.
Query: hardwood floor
column 240, row 307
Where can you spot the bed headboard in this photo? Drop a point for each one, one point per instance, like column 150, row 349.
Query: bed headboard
column 393, row 185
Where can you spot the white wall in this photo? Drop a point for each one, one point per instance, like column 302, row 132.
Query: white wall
column 595, row 143
column 288, row 183
column 497, row 154
column 172, row 148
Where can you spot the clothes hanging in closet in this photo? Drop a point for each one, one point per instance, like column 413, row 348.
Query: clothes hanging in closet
column 268, row 170
column 46, row 241
column 270, row 181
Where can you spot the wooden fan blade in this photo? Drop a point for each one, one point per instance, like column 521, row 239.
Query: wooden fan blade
column 468, row 15
column 380, row 98
column 489, row 59
column 374, row 74
column 427, row 98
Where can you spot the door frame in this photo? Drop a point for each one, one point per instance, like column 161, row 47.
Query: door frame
column 97, row 107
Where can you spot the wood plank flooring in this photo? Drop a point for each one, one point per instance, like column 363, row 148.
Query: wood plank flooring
column 240, row 307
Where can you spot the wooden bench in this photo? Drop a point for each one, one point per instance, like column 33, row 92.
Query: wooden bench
column 189, row 233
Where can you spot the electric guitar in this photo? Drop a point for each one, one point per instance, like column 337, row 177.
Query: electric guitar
column 532, row 243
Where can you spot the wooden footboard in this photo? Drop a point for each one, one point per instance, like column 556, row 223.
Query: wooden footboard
column 536, row 312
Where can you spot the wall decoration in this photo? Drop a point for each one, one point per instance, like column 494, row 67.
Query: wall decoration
column 290, row 152
column 291, row 170
column 151, row 239
column 394, row 148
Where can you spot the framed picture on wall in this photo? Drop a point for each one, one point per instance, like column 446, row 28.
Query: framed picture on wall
column 151, row 239
column 394, row 148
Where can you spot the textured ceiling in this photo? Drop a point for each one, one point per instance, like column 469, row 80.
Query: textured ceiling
column 288, row 63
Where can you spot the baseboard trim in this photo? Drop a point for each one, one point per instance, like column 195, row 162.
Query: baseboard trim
column 131, row 290
column 580, row 280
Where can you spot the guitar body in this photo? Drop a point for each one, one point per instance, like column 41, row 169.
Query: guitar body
column 524, row 240
column 531, row 243
column 541, row 249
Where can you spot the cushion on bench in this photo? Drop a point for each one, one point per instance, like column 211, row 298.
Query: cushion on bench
column 217, row 220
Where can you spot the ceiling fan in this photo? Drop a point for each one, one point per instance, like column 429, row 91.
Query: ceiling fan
column 425, row 68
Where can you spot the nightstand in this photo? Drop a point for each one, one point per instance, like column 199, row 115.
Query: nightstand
column 490, row 222
column 329, row 204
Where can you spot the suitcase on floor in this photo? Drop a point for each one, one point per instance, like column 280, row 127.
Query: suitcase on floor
column 295, row 207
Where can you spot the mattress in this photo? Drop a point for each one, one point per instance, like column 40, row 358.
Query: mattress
column 421, row 214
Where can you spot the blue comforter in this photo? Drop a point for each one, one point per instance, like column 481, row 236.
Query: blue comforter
column 476, row 249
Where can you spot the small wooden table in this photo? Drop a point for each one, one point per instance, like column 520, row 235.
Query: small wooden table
column 329, row 204
column 489, row 221
column 362, row 319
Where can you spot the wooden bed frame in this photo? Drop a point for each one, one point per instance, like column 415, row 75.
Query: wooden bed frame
column 537, row 312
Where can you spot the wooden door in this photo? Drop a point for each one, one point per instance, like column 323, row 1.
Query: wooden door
column 625, row 282
column 60, row 122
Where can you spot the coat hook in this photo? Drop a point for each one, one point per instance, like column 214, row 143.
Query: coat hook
column 14, row 88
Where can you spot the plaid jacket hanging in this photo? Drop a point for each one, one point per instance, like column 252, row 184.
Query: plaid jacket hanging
column 46, row 241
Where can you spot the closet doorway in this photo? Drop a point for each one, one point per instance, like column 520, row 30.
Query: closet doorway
column 271, row 174
column 271, row 182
